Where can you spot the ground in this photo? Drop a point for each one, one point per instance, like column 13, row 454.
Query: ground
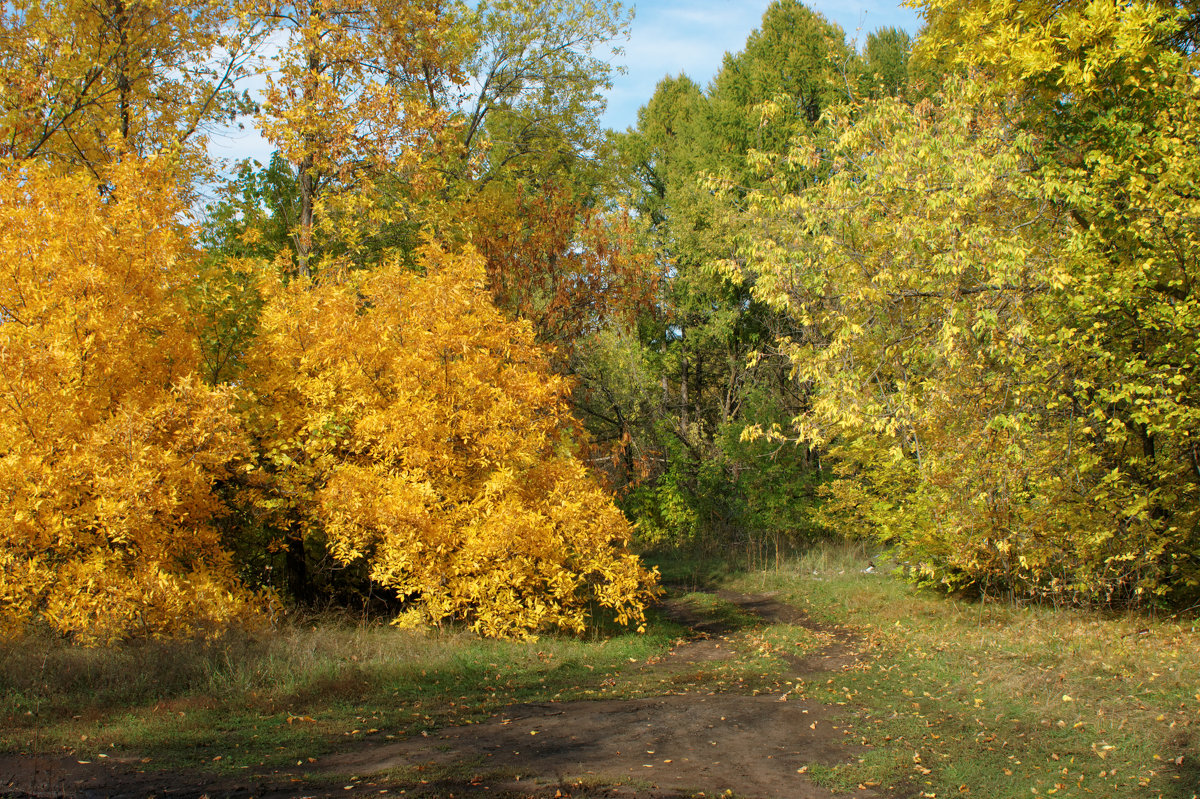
column 693, row 742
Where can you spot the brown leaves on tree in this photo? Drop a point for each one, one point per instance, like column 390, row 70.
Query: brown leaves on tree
column 567, row 267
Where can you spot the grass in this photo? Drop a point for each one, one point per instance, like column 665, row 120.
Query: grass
column 952, row 698
column 248, row 701
column 960, row 698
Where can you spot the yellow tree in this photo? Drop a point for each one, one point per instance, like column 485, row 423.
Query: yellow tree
column 354, row 98
column 83, row 83
column 913, row 272
column 996, row 294
column 109, row 444
column 410, row 429
column 1110, row 94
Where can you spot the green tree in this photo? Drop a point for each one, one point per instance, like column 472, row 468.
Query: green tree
column 797, row 65
column 885, row 63
column 538, row 72
column 711, row 342
column 995, row 295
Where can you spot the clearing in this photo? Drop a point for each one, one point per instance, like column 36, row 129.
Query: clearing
column 811, row 679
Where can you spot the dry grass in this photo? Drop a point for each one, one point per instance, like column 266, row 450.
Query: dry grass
column 169, row 700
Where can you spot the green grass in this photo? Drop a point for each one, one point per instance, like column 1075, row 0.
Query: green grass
column 951, row 698
column 958, row 698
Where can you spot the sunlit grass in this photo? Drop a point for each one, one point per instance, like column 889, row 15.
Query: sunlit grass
column 950, row 698
column 963, row 698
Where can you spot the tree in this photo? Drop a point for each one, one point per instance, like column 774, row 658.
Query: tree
column 569, row 269
column 539, row 77
column 410, row 430
column 86, row 83
column 711, row 342
column 532, row 168
column 1110, row 93
column 796, row 65
column 996, row 307
column 915, row 272
column 381, row 173
column 356, row 98
column 109, row 444
column 885, row 63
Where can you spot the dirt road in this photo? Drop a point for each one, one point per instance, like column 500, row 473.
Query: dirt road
column 683, row 744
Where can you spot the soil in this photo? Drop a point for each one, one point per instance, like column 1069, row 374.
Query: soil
column 675, row 745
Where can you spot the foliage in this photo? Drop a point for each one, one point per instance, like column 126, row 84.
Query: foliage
column 569, row 269
column 914, row 310
column 357, row 174
column 538, row 71
column 795, row 66
column 400, row 427
column 885, row 62
column 528, row 170
column 998, row 316
column 255, row 212
column 86, row 82
column 710, row 341
column 111, row 445
column 354, row 99
column 406, row 426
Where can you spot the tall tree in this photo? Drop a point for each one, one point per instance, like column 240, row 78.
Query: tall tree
column 995, row 294
column 705, row 339
column 355, row 98
column 885, row 62
column 538, row 75
column 533, row 167
column 793, row 67
column 85, row 83
column 1110, row 93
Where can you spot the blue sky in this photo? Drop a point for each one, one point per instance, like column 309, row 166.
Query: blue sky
column 668, row 37
column 692, row 36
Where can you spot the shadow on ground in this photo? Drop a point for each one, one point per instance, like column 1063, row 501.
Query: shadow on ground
column 672, row 745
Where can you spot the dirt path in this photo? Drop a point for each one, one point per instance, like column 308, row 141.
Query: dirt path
column 679, row 744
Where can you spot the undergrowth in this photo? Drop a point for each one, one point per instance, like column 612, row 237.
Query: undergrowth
column 949, row 697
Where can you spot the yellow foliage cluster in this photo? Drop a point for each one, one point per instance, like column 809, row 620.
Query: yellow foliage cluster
column 109, row 444
column 390, row 419
column 403, row 418
column 393, row 418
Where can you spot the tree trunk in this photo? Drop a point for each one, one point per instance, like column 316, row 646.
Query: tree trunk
column 296, row 568
column 308, row 185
